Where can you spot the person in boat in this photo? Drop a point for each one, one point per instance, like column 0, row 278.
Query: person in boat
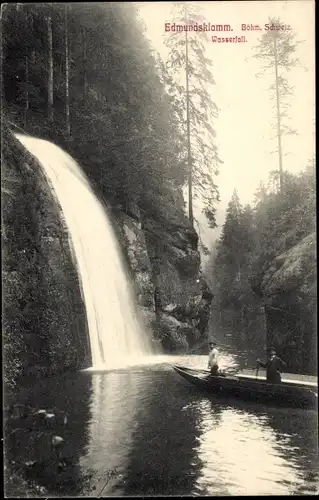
column 213, row 359
column 274, row 366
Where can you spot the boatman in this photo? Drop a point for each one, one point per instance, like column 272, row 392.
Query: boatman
column 274, row 366
column 213, row 359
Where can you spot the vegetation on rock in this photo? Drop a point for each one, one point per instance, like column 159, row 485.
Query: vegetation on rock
column 119, row 112
column 44, row 327
column 69, row 76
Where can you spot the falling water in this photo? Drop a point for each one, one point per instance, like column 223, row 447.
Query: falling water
column 117, row 335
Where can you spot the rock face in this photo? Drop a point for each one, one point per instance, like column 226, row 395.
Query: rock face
column 134, row 246
column 289, row 285
column 294, row 270
column 45, row 330
column 174, row 297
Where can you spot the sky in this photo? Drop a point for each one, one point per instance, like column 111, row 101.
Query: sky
column 244, row 126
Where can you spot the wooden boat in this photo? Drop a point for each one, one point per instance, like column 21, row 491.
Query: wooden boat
column 244, row 387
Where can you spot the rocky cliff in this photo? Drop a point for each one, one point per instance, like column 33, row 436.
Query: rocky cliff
column 171, row 292
column 289, row 287
column 44, row 322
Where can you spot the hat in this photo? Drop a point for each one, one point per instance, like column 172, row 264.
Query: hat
column 212, row 342
column 271, row 349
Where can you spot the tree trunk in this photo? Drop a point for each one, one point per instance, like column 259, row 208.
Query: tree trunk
column 50, row 72
column 189, row 154
column 67, row 98
column 84, row 62
column 281, row 179
column 26, row 91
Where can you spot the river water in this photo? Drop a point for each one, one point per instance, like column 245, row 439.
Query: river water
column 146, row 431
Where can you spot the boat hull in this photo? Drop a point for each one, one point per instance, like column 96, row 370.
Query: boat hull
column 250, row 389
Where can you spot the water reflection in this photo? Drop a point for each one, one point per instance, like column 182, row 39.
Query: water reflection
column 256, row 450
column 214, row 448
column 297, row 441
column 163, row 458
column 240, row 456
column 160, row 435
column 116, row 398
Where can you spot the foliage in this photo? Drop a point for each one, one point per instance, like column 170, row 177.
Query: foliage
column 121, row 132
column 285, row 221
column 266, row 256
column 124, row 131
column 234, row 255
column 252, row 237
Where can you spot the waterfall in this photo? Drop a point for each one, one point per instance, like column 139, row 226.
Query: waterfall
column 117, row 336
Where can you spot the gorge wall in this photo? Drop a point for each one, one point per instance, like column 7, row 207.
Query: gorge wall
column 171, row 292
column 45, row 329
column 289, row 287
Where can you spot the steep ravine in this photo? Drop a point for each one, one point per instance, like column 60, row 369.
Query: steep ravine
column 45, row 329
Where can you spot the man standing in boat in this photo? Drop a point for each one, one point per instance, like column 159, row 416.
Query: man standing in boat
column 213, row 359
column 274, row 366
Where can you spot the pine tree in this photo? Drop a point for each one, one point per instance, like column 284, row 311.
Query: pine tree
column 231, row 237
column 277, row 50
column 128, row 142
column 235, row 255
column 188, row 63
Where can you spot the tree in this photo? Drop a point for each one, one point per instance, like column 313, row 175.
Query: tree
column 234, row 256
column 188, row 63
column 274, row 245
column 108, row 93
column 95, row 70
column 67, row 98
column 277, row 49
column 227, row 261
column 175, row 117
column 248, row 231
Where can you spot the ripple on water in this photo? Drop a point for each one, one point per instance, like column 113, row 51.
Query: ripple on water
column 163, row 437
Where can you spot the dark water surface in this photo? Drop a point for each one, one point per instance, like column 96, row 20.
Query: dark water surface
column 146, row 431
